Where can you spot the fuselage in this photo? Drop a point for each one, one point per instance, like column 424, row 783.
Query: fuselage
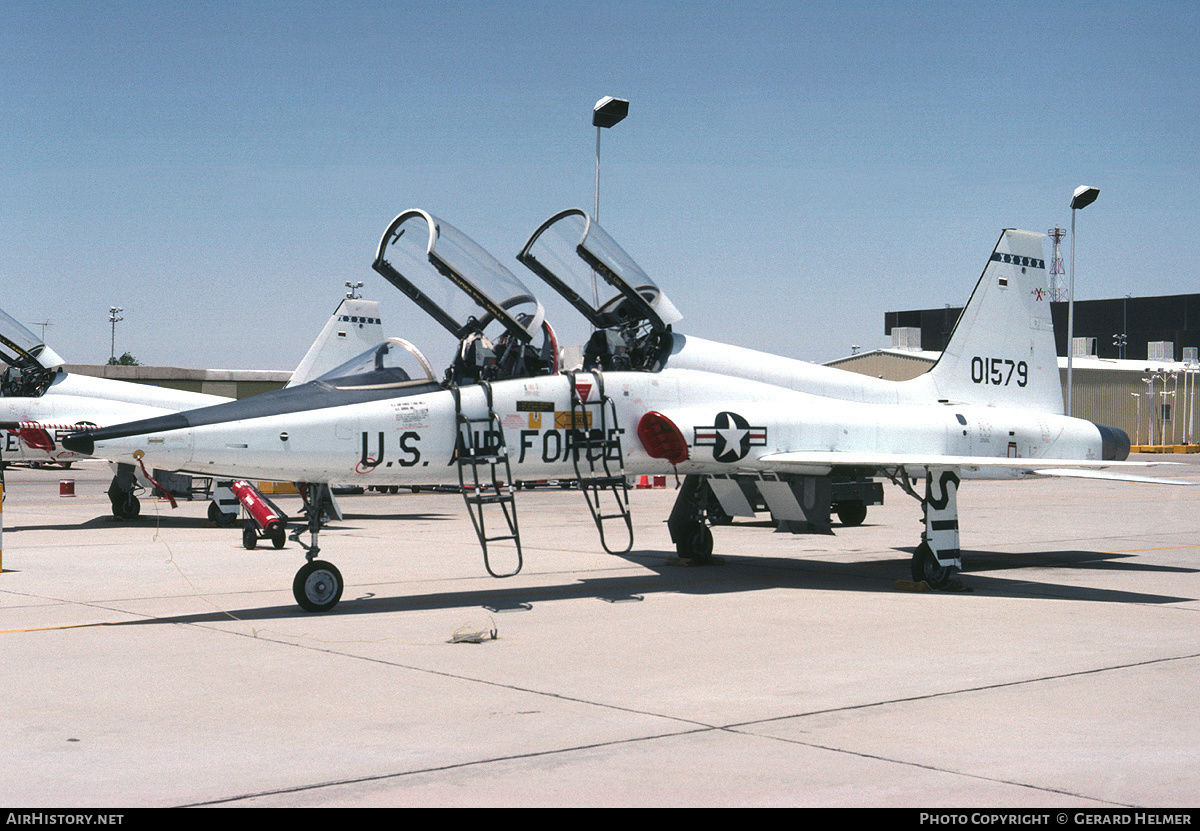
column 728, row 424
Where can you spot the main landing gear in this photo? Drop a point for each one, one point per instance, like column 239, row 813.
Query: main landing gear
column 936, row 560
column 318, row 584
column 121, row 493
column 688, row 522
column 926, row 567
column 938, row 557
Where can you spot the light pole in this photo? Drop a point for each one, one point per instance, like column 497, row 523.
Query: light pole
column 1138, row 419
column 1189, row 397
column 1149, row 382
column 607, row 112
column 1168, row 414
column 1125, row 324
column 113, row 311
column 1083, row 197
column 1175, row 406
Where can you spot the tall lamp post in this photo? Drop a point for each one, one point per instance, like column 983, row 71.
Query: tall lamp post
column 113, row 311
column 1083, row 197
column 607, row 112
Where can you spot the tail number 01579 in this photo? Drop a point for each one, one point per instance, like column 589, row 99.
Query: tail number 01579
column 999, row 372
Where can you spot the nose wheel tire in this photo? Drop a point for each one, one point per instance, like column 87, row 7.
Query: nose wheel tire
column 318, row 586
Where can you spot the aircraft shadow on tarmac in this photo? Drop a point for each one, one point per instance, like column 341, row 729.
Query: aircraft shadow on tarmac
column 1026, row 567
column 166, row 520
column 732, row 574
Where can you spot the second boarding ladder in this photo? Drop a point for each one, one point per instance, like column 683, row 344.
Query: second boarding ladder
column 596, row 453
column 485, row 476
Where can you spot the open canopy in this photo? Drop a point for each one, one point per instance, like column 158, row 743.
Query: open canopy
column 458, row 283
column 32, row 366
column 585, row 265
column 21, row 348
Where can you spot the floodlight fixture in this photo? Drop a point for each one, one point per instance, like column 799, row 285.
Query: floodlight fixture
column 1083, row 197
column 608, row 111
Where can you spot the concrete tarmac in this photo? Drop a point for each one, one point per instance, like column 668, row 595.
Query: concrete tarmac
column 158, row 663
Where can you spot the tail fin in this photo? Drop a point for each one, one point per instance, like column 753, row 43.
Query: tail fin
column 353, row 328
column 1002, row 350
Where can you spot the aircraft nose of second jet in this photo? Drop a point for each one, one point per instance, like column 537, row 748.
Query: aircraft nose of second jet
column 80, row 443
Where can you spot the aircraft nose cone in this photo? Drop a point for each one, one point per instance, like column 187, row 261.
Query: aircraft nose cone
column 79, row 443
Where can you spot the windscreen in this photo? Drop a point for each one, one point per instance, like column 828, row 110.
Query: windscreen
column 395, row 362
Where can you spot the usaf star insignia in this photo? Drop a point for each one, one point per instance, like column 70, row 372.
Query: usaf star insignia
column 730, row 437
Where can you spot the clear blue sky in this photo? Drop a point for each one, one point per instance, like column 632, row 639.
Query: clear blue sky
column 788, row 171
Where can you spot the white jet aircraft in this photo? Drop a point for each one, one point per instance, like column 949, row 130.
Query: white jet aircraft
column 40, row 402
column 648, row 401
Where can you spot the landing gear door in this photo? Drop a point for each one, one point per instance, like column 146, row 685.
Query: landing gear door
column 586, row 266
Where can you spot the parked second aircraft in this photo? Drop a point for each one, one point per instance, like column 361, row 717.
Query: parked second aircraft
column 41, row 403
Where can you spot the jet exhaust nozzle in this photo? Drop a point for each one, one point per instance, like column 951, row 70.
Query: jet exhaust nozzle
column 1115, row 443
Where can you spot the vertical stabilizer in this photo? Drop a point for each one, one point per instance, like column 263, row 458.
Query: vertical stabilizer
column 1002, row 351
column 353, row 328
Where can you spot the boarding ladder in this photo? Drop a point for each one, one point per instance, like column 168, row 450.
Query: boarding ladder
column 596, row 453
column 485, row 476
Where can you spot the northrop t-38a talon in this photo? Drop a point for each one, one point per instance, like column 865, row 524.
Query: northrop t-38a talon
column 743, row 427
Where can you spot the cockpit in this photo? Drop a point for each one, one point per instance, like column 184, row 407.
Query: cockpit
column 500, row 325
column 30, row 365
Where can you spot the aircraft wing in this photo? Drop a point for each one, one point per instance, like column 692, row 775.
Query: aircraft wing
column 816, row 461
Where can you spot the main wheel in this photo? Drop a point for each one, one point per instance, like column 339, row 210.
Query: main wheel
column 926, row 567
column 696, row 544
column 128, row 508
column 218, row 517
column 318, row 586
column 851, row 513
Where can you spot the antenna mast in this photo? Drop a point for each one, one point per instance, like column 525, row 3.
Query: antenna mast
column 1058, row 291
